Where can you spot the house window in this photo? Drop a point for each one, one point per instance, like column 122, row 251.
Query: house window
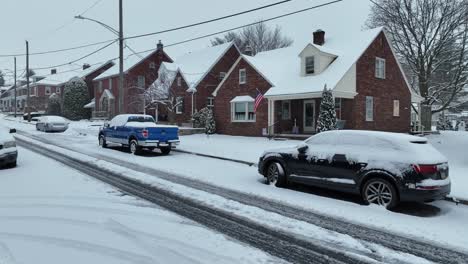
column 210, row 102
column 57, row 90
column 141, row 81
column 242, row 76
column 243, row 112
column 33, row 91
column 380, row 68
column 179, row 105
column 310, row 65
column 110, row 84
column 48, row 90
column 152, row 65
column 222, row 75
column 100, row 86
column 369, row 108
column 286, row 110
column 396, row 107
column 179, row 81
column 338, row 107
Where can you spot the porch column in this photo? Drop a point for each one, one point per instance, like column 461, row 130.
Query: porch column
column 271, row 116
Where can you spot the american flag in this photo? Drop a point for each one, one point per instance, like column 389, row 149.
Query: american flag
column 258, row 100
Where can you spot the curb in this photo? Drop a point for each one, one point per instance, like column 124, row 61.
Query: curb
column 250, row 164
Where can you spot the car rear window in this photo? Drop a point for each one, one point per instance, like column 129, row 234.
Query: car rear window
column 142, row 119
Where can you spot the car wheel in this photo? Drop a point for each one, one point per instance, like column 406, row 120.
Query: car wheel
column 102, row 141
column 134, row 148
column 165, row 150
column 380, row 192
column 275, row 175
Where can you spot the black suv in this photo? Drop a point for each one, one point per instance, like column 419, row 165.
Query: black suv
column 384, row 168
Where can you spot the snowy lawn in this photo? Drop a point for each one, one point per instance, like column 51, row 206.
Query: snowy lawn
column 52, row 214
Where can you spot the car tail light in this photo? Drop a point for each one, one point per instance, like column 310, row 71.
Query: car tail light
column 145, row 133
column 426, row 169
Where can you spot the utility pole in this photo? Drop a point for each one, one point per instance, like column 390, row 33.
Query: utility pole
column 27, row 81
column 121, row 60
column 14, row 77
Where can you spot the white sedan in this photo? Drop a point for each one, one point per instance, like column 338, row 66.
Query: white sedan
column 8, row 152
column 52, row 124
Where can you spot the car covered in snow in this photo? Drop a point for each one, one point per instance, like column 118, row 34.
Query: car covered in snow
column 384, row 168
column 8, row 152
column 52, row 124
column 139, row 132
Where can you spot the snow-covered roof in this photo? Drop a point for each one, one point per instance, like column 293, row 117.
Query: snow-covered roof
column 67, row 74
column 282, row 67
column 194, row 66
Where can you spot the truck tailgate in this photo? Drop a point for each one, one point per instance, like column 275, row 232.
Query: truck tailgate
column 163, row 134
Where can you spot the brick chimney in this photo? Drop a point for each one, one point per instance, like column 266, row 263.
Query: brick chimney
column 53, row 71
column 319, row 37
column 159, row 46
column 248, row 50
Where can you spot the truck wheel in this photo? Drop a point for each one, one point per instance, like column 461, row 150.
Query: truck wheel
column 102, row 141
column 134, row 148
column 165, row 150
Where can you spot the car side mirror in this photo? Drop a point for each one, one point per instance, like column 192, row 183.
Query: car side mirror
column 106, row 125
column 302, row 149
column 12, row 130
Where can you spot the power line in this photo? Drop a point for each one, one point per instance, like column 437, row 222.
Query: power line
column 200, row 37
column 73, row 61
column 209, row 21
column 59, row 50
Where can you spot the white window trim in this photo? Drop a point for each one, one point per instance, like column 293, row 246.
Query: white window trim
column 141, row 77
column 289, row 110
column 110, row 84
column 371, row 117
column 48, row 90
column 396, row 108
column 179, row 107
column 100, row 86
column 380, row 65
column 222, row 75
column 57, row 90
column 233, row 113
column 244, row 72
column 340, row 100
column 179, row 81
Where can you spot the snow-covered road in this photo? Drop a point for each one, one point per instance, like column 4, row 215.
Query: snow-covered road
column 53, row 214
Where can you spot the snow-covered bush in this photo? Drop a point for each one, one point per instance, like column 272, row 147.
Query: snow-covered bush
column 443, row 123
column 327, row 115
column 205, row 119
column 74, row 99
column 53, row 105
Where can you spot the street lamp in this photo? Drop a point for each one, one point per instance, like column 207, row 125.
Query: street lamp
column 121, row 47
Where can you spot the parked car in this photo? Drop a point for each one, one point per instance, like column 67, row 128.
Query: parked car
column 52, row 124
column 34, row 116
column 139, row 132
column 384, row 168
column 8, row 152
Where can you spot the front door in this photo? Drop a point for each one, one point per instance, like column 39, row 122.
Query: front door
column 309, row 116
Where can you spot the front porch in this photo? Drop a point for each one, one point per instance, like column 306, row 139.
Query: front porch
column 297, row 118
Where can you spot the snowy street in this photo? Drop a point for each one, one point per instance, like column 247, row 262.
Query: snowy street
column 438, row 223
column 59, row 215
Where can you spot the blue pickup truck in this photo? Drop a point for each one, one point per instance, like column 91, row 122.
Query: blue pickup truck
column 139, row 132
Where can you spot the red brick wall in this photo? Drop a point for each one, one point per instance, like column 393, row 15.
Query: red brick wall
column 181, row 91
column 384, row 91
column 207, row 86
column 230, row 89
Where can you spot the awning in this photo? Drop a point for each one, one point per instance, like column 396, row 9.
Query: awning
column 242, row 99
column 91, row 104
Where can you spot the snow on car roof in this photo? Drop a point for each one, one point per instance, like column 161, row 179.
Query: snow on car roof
column 282, row 67
column 395, row 137
column 53, row 119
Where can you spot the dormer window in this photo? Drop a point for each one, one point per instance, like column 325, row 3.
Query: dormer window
column 310, row 65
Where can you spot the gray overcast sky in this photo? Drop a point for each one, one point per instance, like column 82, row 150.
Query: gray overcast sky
column 49, row 24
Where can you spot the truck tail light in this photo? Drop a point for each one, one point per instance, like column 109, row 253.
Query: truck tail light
column 426, row 169
column 145, row 133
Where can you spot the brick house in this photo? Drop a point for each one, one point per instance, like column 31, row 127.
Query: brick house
column 140, row 70
column 194, row 77
column 370, row 89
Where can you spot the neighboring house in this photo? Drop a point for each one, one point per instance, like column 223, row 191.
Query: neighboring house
column 367, row 81
column 41, row 88
column 140, row 71
column 196, row 75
